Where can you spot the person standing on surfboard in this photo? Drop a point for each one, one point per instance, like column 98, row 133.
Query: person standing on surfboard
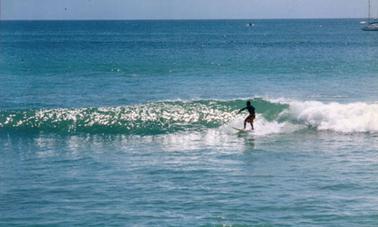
column 251, row 116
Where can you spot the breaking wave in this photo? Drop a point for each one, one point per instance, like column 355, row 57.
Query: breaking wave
column 345, row 118
column 177, row 116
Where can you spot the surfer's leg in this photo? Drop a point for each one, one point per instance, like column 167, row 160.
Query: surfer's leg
column 245, row 122
column 250, row 120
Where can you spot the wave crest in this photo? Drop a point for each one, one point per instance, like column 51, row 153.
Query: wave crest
column 152, row 118
column 171, row 117
column 345, row 118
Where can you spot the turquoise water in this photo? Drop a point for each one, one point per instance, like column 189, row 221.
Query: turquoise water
column 130, row 123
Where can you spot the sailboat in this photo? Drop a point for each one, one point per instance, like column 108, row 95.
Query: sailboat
column 372, row 24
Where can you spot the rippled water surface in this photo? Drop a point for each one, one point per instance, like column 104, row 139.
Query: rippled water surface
column 131, row 123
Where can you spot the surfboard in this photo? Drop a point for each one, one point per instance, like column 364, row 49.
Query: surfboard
column 240, row 130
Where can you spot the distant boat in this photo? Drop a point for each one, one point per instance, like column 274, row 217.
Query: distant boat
column 372, row 24
column 250, row 24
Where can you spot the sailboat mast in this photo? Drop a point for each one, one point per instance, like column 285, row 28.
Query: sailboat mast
column 372, row 24
column 369, row 13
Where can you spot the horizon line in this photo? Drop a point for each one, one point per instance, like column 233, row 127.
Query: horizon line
column 193, row 19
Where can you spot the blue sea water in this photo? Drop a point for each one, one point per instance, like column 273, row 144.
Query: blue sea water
column 130, row 123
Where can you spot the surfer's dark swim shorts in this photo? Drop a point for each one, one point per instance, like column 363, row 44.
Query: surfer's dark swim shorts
column 250, row 118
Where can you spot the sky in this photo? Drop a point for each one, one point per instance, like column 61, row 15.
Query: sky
column 179, row 9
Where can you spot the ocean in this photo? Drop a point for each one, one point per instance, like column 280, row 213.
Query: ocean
column 130, row 123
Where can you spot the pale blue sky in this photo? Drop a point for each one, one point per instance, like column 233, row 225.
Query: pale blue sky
column 181, row 9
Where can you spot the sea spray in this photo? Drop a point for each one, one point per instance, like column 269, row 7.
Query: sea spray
column 345, row 118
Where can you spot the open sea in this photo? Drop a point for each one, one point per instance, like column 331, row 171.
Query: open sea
column 130, row 123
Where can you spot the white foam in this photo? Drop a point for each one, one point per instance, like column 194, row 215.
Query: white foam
column 345, row 118
column 264, row 127
column 338, row 117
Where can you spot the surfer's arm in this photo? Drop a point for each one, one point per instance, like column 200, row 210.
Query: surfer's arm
column 242, row 110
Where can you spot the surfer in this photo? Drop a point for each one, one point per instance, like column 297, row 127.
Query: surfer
column 251, row 116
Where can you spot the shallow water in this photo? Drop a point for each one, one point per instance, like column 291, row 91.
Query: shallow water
column 130, row 123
